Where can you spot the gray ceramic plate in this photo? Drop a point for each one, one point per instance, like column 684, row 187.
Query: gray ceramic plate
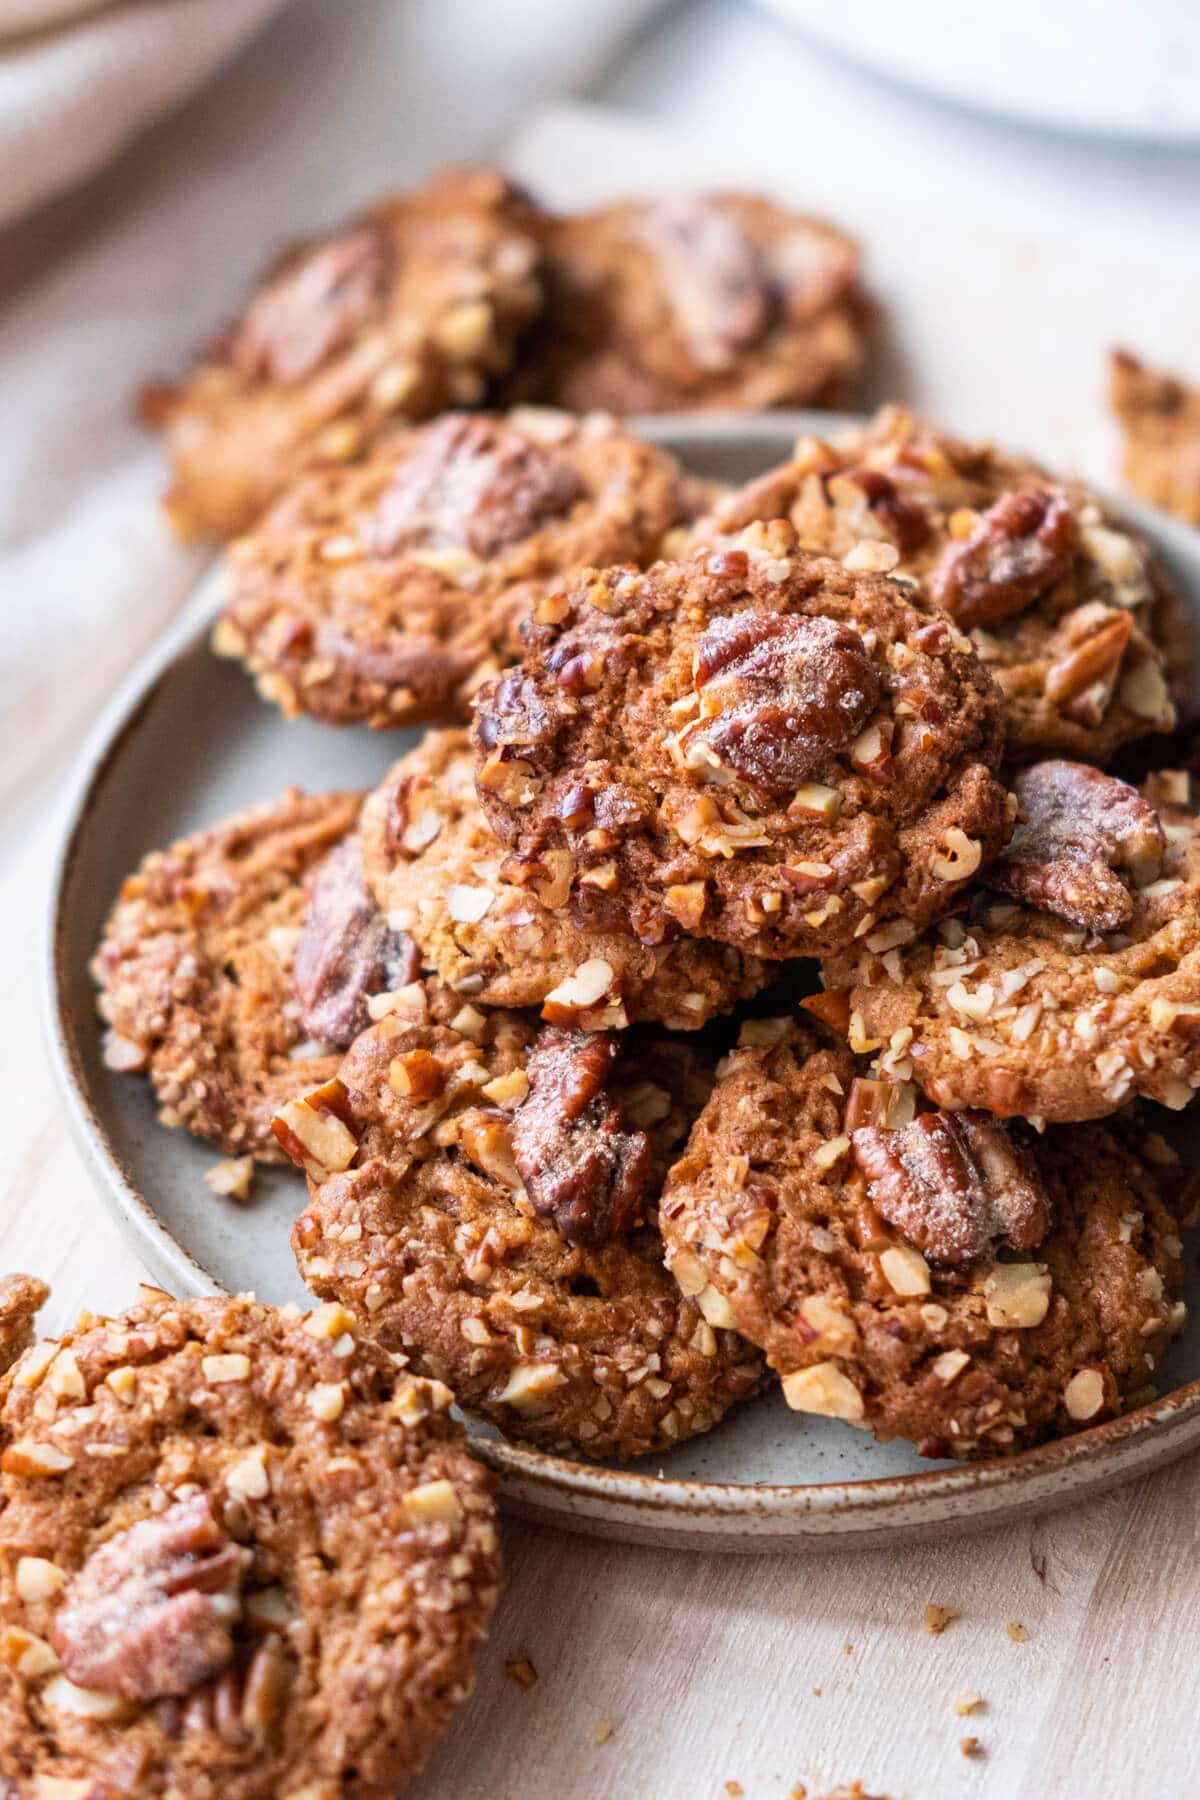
column 187, row 741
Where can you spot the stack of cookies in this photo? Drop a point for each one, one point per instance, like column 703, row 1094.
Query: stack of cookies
column 760, row 974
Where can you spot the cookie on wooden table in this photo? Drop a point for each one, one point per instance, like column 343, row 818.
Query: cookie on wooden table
column 243, row 1556
column 1073, row 985
column 413, row 307
column 237, row 964
column 1068, row 607
column 21, row 1299
column 507, row 933
column 482, row 1196
column 700, row 301
column 938, row 1276
column 756, row 745
column 387, row 591
column 1161, row 418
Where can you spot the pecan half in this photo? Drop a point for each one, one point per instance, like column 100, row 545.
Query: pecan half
column 784, row 693
column 1020, row 547
column 1081, row 679
column 316, row 304
column 346, row 950
column 581, row 1165
column 472, row 485
column 151, row 1612
column 715, row 280
column 954, row 1184
column 1076, row 826
column 869, row 501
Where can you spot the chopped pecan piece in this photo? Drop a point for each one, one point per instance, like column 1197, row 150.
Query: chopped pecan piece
column 346, row 950
column 786, row 693
column 954, row 1184
column 320, row 299
column 1019, row 549
column 580, row 1163
column 718, row 287
column 473, row 485
column 1076, row 827
column 1081, row 679
column 151, row 1611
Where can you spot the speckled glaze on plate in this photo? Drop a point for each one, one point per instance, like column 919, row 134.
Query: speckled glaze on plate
column 186, row 741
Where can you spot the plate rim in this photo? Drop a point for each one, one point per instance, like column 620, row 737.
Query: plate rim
column 595, row 1497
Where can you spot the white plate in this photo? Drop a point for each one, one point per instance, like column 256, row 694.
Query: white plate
column 187, row 741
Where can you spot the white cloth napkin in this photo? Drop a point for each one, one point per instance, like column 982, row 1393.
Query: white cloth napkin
column 80, row 78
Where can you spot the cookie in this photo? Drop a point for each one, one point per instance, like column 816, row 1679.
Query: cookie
column 387, row 591
column 236, row 964
column 1072, row 996
column 755, row 745
column 498, row 932
column 21, row 1299
column 245, row 1557
column 395, row 316
column 1160, row 416
column 475, row 1194
column 1071, row 612
column 704, row 301
column 937, row 1276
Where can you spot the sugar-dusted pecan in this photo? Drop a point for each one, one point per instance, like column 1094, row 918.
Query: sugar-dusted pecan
column 714, row 276
column 346, row 950
column 784, row 692
column 151, row 1612
column 954, row 1184
column 581, row 1164
column 474, row 484
column 1019, row 549
column 317, row 302
column 1077, row 827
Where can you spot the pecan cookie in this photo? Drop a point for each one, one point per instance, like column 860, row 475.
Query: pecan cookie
column 477, row 1193
column 394, row 316
column 509, row 932
column 1071, row 612
column 237, row 963
column 754, row 744
column 720, row 300
column 1076, row 994
column 937, row 1276
column 387, row 591
column 21, row 1299
column 244, row 1557
column 1161, row 418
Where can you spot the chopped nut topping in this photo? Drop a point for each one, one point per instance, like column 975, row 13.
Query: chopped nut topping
column 1017, row 1295
column 1021, row 546
column 313, row 1135
column 955, row 1184
column 150, row 1612
column 822, row 1388
column 580, row 1163
column 1077, row 826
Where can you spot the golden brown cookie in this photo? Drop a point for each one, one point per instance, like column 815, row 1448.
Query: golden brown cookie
column 243, row 1556
column 387, row 591
column 938, row 1276
column 1161, row 418
column 498, row 931
column 21, row 1299
column 474, row 1195
column 1075, row 994
column 755, row 745
column 238, row 963
column 395, row 316
column 1069, row 609
column 719, row 300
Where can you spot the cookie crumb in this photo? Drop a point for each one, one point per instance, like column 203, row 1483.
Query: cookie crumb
column 734, row 1789
column 847, row 1648
column 817, row 1693
column 936, row 1618
column 970, row 1746
column 968, row 1703
column 232, row 1178
column 799, row 1792
column 1017, row 1632
column 521, row 1672
column 601, row 1731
